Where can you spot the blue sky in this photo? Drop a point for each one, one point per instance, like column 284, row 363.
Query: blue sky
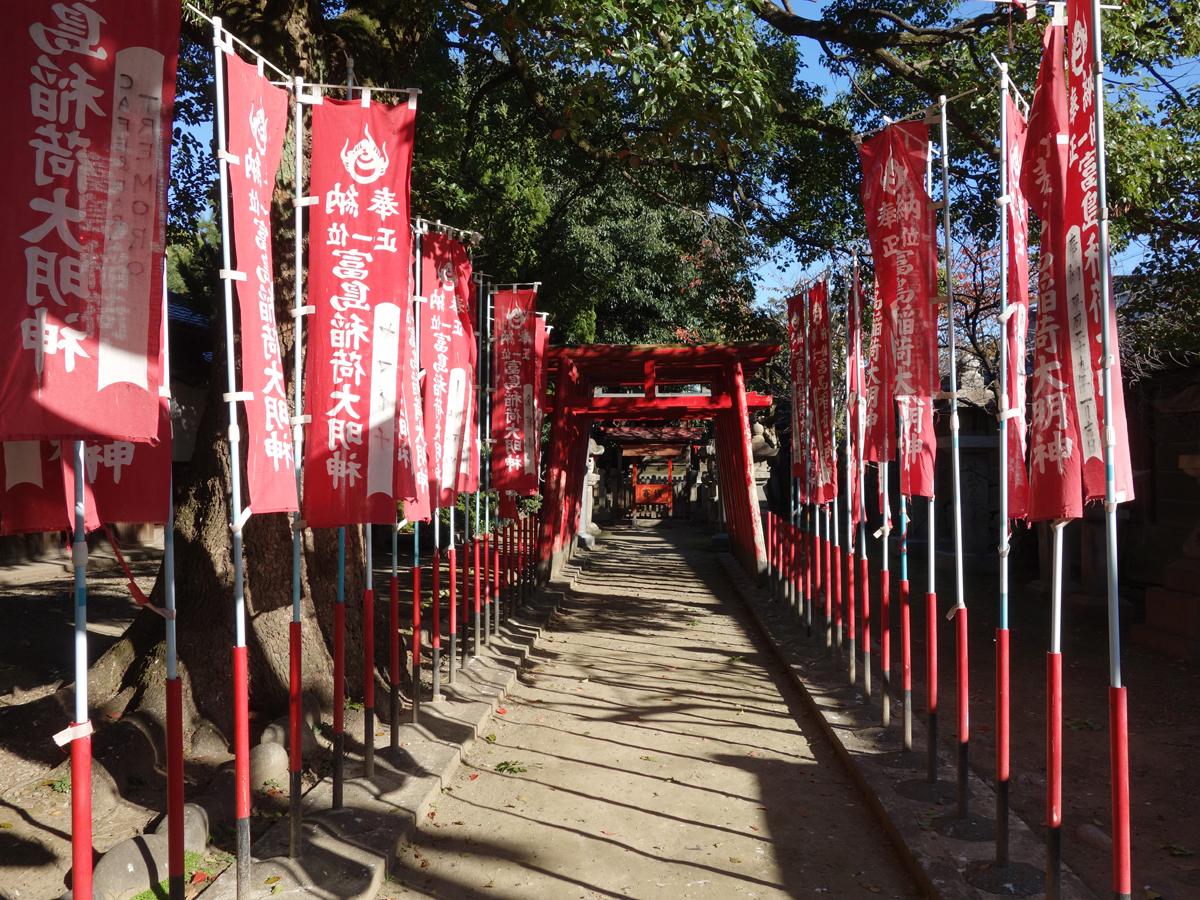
column 775, row 277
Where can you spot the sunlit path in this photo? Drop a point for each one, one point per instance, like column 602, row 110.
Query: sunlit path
column 648, row 752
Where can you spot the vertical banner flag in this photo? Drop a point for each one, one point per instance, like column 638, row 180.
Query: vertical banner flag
column 900, row 226
column 878, row 417
column 257, row 117
column 795, row 314
column 447, row 356
column 1083, row 270
column 1017, row 324
column 514, row 410
column 541, row 339
column 124, row 481
column 38, row 488
column 412, row 465
column 84, row 171
column 825, row 454
column 854, row 390
column 1054, row 458
column 359, row 278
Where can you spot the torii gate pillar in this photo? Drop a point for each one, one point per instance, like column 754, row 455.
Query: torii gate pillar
column 580, row 373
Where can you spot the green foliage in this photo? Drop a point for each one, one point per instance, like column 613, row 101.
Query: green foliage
column 191, row 863
column 641, row 157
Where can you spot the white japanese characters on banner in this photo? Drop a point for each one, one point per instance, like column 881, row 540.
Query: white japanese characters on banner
column 447, row 355
column 257, row 121
column 513, row 406
column 84, row 174
column 359, row 277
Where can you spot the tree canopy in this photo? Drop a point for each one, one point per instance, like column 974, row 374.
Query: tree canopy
column 642, row 157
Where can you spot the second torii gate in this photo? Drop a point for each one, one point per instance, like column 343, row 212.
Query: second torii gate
column 583, row 377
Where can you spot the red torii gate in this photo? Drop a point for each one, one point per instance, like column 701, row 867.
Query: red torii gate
column 581, row 373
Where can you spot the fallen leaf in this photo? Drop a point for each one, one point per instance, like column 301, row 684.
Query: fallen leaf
column 473, row 776
column 754, row 828
column 501, row 711
column 199, row 876
column 735, row 859
column 6, row 824
column 1176, row 850
column 277, row 889
column 274, row 879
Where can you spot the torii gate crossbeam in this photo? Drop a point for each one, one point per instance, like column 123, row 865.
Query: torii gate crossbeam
column 579, row 372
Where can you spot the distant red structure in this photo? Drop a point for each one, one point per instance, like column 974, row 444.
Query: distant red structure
column 698, row 381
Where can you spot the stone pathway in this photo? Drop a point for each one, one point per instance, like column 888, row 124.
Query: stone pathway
column 650, row 750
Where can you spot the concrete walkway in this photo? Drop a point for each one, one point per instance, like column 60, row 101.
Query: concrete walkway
column 651, row 750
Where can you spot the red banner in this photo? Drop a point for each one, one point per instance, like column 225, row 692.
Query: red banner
column 125, row 482
column 84, row 174
column 900, row 226
column 1017, row 325
column 447, row 356
column 359, row 255
column 796, row 345
column 541, row 339
column 1084, row 271
column 257, row 122
column 1054, row 459
column 39, row 489
column 878, row 415
column 514, row 408
column 412, row 460
column 854, row 395
column 825, row 481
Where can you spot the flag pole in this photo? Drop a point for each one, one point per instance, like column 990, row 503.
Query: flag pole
column 452, row 593
column 485, row 472
column 418, row 287
column 241, row 686
column 1002, row 634
column 1117, row 715
column 394, row 640
column 931, row 611
column 864, row 575
column 807, row 507
column 339, row 673
column 496, row 573
column 298, row 311
column 905, row 626
column 174, row 687
column 339, row 617
column 175, row 797
column 960, row 611
column 885, row 588
column 1054, row 722
column 368, row 638
column 81, row 727
column 464, row 588
column 853, row 448
column 835, row 573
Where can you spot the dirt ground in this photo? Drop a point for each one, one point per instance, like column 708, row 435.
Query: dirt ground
column 650, row 751
column 1164, row 724
column 36, row 647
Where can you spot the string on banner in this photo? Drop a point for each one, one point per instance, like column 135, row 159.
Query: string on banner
column 226, row 37
column 1008, row 84
column 465, row 235
column 929, row 113
column 515, row 286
